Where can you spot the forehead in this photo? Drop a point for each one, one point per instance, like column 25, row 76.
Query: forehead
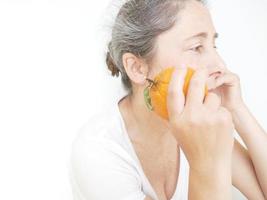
column 192, row 19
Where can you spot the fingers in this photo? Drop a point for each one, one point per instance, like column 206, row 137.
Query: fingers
column 212, row 101
column 176, row 98
column 227, row 78
column 211, row 82
column 196, row 91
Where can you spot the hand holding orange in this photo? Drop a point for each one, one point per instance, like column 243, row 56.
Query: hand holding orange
column 156, row 93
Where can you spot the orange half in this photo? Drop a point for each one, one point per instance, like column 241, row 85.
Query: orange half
column 156, row 93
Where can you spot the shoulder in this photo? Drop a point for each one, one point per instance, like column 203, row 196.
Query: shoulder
column 104, row 124
column 101, row 150
column 101, row 164
column 97, row 124
column 101, row 136
column 101, row 169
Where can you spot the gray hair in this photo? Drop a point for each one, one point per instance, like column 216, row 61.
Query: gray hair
column 136, row 27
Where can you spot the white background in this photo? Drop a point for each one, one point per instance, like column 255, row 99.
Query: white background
column 53, row 78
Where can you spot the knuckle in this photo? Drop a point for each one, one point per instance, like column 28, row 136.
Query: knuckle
column 193, row 120
column 209, row 121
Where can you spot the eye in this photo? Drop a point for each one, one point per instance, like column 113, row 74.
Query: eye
column 197, row 48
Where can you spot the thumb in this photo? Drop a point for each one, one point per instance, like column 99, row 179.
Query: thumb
column 176, row 98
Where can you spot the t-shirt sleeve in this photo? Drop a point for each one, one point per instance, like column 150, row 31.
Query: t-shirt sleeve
column 101, row 170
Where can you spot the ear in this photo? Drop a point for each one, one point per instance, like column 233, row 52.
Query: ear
column 135, row 68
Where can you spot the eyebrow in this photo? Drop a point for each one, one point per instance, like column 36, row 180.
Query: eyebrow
column 204, row 35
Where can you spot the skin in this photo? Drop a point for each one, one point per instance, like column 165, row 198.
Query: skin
column 191, row 42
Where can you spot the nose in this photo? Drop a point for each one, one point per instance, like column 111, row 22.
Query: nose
column 216, row 65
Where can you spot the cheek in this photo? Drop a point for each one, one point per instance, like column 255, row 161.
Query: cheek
column 176, row 58
column 192, row 60
column 168, row 59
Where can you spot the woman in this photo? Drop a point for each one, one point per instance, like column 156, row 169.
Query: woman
column 130, row 152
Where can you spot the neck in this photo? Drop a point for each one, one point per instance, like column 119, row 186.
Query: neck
column 148, row 122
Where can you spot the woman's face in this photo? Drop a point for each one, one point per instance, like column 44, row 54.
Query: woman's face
column 190, row 42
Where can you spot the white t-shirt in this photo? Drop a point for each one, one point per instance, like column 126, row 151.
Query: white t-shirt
column 104, row 165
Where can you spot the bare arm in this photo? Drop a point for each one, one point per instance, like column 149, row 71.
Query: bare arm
column 255, row 140
column 243, row 174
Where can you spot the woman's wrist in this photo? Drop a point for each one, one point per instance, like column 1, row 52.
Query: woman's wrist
column 222, row 167
column 239, row 108
column 210, row 183
column 214, row 162
column 245, row 122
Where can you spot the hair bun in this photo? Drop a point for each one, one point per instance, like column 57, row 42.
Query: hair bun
column 111, row 66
